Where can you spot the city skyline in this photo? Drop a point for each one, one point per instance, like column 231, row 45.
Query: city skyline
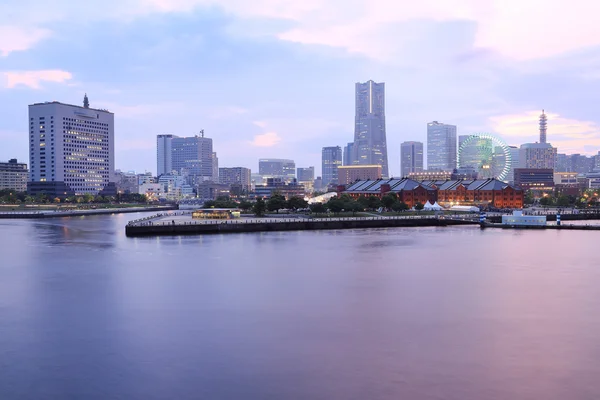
column 270, row 88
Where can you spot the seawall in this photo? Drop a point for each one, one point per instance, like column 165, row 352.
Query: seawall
column 202, row 228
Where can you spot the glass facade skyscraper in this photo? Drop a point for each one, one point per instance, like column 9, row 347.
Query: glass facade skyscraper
column 370, row 145
column 331, row 160
column 411, row 158
column 441, row 147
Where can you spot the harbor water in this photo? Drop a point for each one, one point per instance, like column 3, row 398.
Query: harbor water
column 398, row 313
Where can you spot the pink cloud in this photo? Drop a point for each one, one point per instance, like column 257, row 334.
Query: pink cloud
column 33, row 79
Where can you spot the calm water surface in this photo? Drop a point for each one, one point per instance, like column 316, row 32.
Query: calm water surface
column 432, row 313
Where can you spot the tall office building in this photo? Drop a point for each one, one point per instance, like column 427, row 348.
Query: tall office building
column 306, row 174
column 331, row 160
column 71, row 150
column 164, row 160
column 370, row 145
column 277, row 168
column 193, row 157
column 236, row 176
column 537, row 156
column 411, row 158
column 441, row 147
column 514, row 163
column 13, row 175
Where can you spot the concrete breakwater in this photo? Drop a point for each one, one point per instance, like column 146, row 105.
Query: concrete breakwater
column 74, row 213
column 272, row 225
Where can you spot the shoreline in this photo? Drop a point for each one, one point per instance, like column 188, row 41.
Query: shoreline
column 75, row 213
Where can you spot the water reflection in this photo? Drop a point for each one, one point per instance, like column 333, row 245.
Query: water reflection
column 452, row 313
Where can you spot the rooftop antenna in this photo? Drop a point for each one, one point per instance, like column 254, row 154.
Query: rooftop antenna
column 86, row 102
column 202, row 132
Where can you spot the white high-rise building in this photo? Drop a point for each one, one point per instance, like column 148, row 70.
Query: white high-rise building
column 71, row 150
column 441, row 147
column 164, row 159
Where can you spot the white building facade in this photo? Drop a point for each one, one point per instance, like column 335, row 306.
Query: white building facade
column 71, row 150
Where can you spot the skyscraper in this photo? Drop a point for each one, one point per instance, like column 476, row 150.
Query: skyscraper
column 71, row 150
column 441, row 147
column 370, row 145
column 331, row 160
column 193, row 157
column 164, row 160
column 543, row 127
column 537, row 156
column 411, row 158
column 236, row 176
column 306, row 174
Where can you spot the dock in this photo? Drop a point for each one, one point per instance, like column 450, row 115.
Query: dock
column 161, row 227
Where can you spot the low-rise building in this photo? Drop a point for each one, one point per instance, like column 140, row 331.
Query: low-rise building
column 352, row 173
column 539, row 179
column 13, row 175
column 127, row 182
column 209, row 190
column 153, row 191
column 485, row 192
column 408, row 191
column 278, row 185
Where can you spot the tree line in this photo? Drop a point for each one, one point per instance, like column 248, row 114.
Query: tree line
column 278, row 202
column 8, row 196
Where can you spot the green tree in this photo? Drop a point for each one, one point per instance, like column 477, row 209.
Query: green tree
column 399, row 206
column 335, row 205
column 374, row 202
column 563, row 201
column 317, row 208
column 245, row 205
column 41, row 198
column 388, row 200
column 259, row 207
column 276, row 202
column 419, row 206
column 528, row 199
column 88, row 198
column 547, row 200
column 363, row 200
column 297, row 202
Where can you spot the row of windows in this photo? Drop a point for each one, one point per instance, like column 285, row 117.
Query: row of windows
column 84, row 121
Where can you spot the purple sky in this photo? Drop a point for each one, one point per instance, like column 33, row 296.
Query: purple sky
column 269, row 78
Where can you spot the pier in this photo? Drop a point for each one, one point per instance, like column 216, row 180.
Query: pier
column 166, row 226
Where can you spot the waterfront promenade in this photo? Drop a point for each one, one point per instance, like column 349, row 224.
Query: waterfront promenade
column 181, row 224
column 32, row 214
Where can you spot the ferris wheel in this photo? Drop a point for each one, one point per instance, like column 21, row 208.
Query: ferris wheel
column 487, row 153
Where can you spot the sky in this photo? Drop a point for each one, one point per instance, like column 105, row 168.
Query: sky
column 275, row 78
